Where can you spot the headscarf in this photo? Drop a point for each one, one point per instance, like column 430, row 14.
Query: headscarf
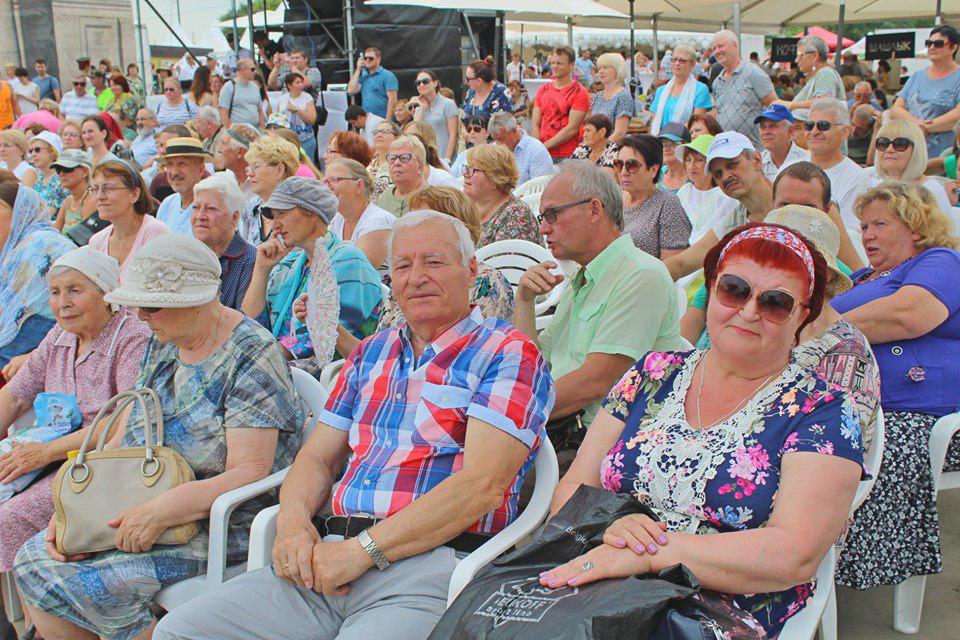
column 31, row 248
column 102, row 269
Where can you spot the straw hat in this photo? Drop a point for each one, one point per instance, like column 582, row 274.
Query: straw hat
column 818, row 228
column 185, row 148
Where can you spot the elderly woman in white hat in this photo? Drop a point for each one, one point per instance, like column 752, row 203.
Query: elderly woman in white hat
column 230, row 410
column 42, row 152
column 91, row 354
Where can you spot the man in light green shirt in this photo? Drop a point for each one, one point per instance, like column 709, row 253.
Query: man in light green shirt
column 620, row 305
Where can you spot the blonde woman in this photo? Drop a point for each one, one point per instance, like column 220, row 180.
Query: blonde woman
column 489, row 178
column 614, row 101
column 438, row 174
column 901, row 154
column 683, row 96
column 71, row 132
column 13, row 151
column 407, row 160
column 270, row 161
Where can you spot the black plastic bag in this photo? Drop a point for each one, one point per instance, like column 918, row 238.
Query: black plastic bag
column 507, row 602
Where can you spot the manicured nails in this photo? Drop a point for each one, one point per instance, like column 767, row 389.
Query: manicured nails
column 640, row 549
column 652, row 548
column 621, row 543
column 663, row 539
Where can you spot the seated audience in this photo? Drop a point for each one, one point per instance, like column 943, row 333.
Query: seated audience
column 906, row 303
column 362, row 122
column 43, row 151
column 155, row 173
column 532, row 158
column 673, row 175
column 423, row 483
column 596, row 145
column 175, row 108
column 306, row 169
column 358, row 220
column 301, row 211
column 437, row 175
column 13, row 157
column 230, row 410
column 231, row 151
column 724, row 420
column 29, row 244
column 71, row 135
column 776, row 126
column 209, row 128
column 902, row 155
column 822, row 80
column 682, row 96
column 144, row 146
column 620, row 305
column 701, row 196
column 122, row 199
column 270, row 161
column 703, row 124
column 347, row 144
column 184, row 159
column 379, row 168
column 489, row 178
column 91, row 354
column 652, row 217
column 217, row 203
column 408, row 174
column 73, row 167
column 99, row 138
column 863, row 123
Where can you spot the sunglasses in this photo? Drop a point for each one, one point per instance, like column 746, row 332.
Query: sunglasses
column 34, row 150
column 549, row 215
column 468, row 171
column 424, row 81
column 821, row 125
column 369, row 58
column 79, row 84
column 402, row 158
column 475, row 128
column 899, row 144
column 935, row 44
column 150, row 310
column 631, row 166
column 773, row 306
column 168, row 89
column 62, row 170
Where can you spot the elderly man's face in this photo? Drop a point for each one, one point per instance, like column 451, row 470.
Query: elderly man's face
column 776, row 135
column 206, row 129
column 509, row 139
column 146, row 121
column 862, row 93
column 828, row 141
column 429, row 279
column 565, row 235
column 736, row 176
column 184, row 173
column 212, row 222
column 723, row 49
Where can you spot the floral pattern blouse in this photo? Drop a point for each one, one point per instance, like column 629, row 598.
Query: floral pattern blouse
column 52, row 193
column 606, row 158
column 512, row 221
column 498, row 100
column 725, row 478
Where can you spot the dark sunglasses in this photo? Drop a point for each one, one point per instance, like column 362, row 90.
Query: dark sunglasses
column 821, row 125
column 369, row 58
column 34, row 150
column 550, row 213
column 773, row 306
column 631, row 166
column 936, row 44
column 62, row 170
column 475, row 128
column 899, row 144
column 149, row 309
column 424, row 81
column 79, row 84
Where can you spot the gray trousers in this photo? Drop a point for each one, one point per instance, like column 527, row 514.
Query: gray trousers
column 402, row 603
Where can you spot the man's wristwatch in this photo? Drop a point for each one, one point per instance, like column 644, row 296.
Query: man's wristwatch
column 373, row 550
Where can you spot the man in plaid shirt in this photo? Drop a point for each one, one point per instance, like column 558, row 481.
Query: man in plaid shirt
column 439, row 421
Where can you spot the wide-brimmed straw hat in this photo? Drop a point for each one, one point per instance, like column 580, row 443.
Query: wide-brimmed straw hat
column 185, row 148
column 170, row 271
column 818, row 228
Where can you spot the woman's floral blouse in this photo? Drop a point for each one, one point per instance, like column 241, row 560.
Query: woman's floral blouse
column 514, row 220
column 724, row 478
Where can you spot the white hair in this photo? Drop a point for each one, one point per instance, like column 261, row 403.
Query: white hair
column 725, row 34
column 415, row 218
column 831, row 104
column 816, row 44
column 209, row 114
column 225, row 184
column 501, row 121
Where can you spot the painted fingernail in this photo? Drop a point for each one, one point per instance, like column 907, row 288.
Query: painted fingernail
column 572, row 582
column 640, row 548
column 663, row 539
column 652, row 548
column 620, row 542
column 554, row 583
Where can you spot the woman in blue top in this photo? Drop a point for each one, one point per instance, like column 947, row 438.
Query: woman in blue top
column 485, row 95
column 908, row 305
column 683, row 96
column 708, row 439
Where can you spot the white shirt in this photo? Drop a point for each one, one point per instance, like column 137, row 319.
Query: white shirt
column 794, row 154
column 28, row 89
column 514, row 72
column 373, row 218
column 372, row 121
column 20, row 170
column 441, row 178
column 847, row 181
column 186, row 69
column 702, row 206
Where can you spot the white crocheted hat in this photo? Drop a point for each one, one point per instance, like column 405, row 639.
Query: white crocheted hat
column 171, row 271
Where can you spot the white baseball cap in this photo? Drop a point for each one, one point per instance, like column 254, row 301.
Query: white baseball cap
column 728, row 144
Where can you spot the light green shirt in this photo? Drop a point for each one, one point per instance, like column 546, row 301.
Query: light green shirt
column 623, row 302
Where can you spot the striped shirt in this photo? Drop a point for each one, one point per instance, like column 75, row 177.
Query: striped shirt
column 168, row 115
column 78, row 107
column 407, row 416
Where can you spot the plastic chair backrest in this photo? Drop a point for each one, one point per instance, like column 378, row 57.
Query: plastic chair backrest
column 872, row 459
column 533, row 185
column 513, row 257
column 313, row 396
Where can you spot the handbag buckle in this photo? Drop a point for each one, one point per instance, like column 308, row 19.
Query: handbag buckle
column 144, row 467
column 86, row 472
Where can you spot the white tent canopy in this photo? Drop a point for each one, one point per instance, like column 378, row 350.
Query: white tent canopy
column 555, row 7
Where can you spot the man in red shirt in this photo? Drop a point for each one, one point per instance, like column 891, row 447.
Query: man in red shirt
column 560, row 107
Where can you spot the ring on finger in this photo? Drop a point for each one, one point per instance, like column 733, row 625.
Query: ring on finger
column 586, row 566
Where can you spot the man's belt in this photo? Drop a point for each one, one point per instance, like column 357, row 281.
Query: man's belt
column 351, row 526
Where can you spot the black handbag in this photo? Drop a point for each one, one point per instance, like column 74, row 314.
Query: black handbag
column 81, row 232
column 322, row 112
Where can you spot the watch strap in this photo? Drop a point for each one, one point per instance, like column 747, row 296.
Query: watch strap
column 368, row 544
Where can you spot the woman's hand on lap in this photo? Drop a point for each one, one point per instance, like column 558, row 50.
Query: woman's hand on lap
column 51, row 539
column 636, row 532
column 23, row 458
column 139, row 527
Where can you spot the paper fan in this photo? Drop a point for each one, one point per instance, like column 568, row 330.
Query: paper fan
column 323, row 305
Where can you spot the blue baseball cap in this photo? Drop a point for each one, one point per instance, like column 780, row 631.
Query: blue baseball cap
column 775, row 112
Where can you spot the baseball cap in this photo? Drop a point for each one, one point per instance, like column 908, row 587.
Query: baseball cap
column 278, row 119
column 674, row 131
column 96, row 73
column 71, row 159
column 776, row 113
column 728, row 144
column 308, row 194
column 700, row 144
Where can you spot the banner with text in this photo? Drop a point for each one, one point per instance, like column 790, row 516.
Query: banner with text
column 783, row 50
column 883, row 46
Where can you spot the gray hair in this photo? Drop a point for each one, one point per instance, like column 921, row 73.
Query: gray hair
column 209, row 114
column 816, row 44
column 225, row 184
column 725, row 34
column 863, row 83
column 587, row 180
column 357, row 172
column 502, row 121
column 831, row 104
column 415, row 218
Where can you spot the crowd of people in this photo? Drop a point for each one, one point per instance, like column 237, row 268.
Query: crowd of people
column 752, row 264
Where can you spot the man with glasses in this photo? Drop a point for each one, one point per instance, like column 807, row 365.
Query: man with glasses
column 560, row 107
column 240, row 98
column 776, row 134
column 741, row 90
column 364, row 122
column 377, row 86
column 78, row 104
column 533, row 158
column 144, row 146
column 620, row 305
column 931, row 97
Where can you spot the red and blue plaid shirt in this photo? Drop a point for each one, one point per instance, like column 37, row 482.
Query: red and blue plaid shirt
column 407, row 417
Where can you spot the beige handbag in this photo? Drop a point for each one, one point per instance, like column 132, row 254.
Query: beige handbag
column 96, row 487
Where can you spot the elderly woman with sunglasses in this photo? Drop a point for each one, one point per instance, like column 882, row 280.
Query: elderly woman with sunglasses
column 737, row 441
column 73, row 168
column 901, row 154
column 43, row 151
column 407, row 158
column 908, row 305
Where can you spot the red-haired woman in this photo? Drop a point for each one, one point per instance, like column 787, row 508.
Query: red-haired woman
column 347, row 144
column 706, row 439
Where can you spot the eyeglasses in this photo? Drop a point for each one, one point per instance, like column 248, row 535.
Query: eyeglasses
column 168, row 89
column 475, row 128
column 34, row 150
column 800, row 54
column 680, row 61
column 936, row 44
column 628, row 166
column 402, row 158
column 773, row 306
column 468, row 78
column 382, row 131
column 328, row 179
column 549, row 215
column 79, row 84
column 821, row 125
column 899, row 144
column 424, row 81
column 468, row 171
column 369, row 58
column 107, row 189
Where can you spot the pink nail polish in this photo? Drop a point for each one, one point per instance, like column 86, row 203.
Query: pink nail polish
column 652, row 548
column 640, row 548
column 620, row 543
column 663, row 539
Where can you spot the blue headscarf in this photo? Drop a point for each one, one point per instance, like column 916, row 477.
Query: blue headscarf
column 31, row 248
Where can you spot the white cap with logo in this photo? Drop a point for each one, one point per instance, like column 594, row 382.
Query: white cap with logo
column 728, row 144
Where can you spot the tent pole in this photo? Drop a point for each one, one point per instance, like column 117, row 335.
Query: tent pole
column 146, row 74
column 633, row 48
column 348, row 16
column 938, row 20
column 570, row 32
column 656, row 48
column 736, row 21
column 843, row 10
column 253, row 47
column 236, row 36
column 521, row 50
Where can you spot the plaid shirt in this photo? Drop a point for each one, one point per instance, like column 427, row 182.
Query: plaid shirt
column 407, row 419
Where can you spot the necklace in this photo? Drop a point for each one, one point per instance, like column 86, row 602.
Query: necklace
column 874, row 274
column 740, row 405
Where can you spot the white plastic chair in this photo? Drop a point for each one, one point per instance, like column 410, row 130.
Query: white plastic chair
column 532, row 200
column 908, row 595
column 513, row 257
column 312, row 398
column 820, row 614
column 328, row 375
column 533, row 185
column 263, row 533
column 11, row 601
